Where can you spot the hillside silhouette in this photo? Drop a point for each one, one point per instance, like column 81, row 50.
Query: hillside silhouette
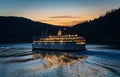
column 103, row 30
column 19, row 29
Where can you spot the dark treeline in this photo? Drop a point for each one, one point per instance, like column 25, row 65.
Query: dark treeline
column 19, row 29
column 103, row 30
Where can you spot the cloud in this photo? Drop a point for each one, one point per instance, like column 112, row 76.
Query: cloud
column 64, row 17
column 62, row 22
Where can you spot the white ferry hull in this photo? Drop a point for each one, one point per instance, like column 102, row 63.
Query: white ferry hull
column 58, row 46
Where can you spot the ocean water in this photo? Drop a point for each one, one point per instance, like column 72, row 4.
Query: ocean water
column 18, row 60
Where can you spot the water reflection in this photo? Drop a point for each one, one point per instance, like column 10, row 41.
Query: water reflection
column 20, row 61
column 57, row 58
column 62, row 64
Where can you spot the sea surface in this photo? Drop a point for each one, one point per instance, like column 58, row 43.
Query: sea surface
column 18, row 60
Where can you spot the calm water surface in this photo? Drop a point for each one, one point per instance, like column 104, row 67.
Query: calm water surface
column 18, row 60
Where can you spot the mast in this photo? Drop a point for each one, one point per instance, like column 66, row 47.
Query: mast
column 46, row 32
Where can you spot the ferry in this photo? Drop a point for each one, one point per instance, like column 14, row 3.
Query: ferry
column 59, row 42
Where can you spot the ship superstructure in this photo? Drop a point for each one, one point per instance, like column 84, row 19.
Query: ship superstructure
column 59, row 42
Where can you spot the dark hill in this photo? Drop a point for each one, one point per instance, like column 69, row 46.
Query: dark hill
column 103, row 30
column 19, row 29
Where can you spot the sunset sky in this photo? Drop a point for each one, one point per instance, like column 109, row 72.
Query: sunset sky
column 57, row 12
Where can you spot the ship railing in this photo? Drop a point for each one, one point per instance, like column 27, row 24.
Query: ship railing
column 76, row 41
column 58, row 39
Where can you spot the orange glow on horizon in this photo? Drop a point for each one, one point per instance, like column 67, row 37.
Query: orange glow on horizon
column 58, row 12
column 66, row 21
column 63, row 17
column 60, row 22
